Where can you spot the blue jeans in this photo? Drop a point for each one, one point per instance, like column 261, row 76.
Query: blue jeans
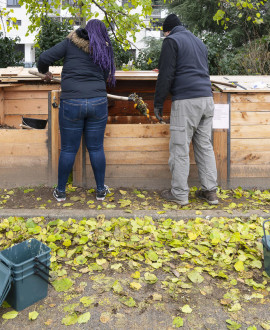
column 87, row 117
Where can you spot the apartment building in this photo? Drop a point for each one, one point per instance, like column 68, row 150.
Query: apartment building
column 26, row 45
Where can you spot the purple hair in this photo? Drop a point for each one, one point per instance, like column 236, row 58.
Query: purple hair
column 101, row 48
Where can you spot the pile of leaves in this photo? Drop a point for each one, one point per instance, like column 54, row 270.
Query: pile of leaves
column 174, row 257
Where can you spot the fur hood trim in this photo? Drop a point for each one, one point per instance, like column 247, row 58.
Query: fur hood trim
column 79, row 42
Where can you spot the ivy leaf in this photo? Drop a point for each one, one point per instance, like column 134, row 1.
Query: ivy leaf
column 186, row 309
column 70, row 319
column 178, row 322
column 195, row 277
column 150, row 278
column 128, row 301
column 64, row 284
column 33, row 315
column 232, row 325
column 10, row 315
column 84, row 318
column 239, row 266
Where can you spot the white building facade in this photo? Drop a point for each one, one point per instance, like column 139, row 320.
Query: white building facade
column 26, row 44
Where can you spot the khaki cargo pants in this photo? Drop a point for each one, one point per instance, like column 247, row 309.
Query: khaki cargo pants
column 191, row 120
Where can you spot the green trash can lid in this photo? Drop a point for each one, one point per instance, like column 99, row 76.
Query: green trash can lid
column 5, row 282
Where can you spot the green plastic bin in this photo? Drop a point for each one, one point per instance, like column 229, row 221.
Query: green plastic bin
column 24, row 273
column 266, row 250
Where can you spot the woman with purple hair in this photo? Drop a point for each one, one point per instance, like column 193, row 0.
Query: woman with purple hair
column 88, row 65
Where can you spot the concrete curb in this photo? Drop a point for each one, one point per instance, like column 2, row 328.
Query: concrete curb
column 172, row 214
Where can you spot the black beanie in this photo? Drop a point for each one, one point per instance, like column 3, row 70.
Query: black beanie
column 170, row 22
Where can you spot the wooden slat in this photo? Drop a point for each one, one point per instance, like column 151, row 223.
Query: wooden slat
column 256, row 106
column 32, row 161
column 139, row 157
column 24, row 149
column 55, row 139
column 220, row 98
column 23, row 136
column 250, row 118
column 220, row 149
column 78, row 175
column 12, row 71
column 250, row 97
column 16, row 120
column 2, row 110
column 140, row 131
column 26, row 95
column 136, row 144
column 250, row 171
column 250, row 145
column 254, row 131
column 133, row 171
column 250, row 158
column 26, row 106
column 33, row 87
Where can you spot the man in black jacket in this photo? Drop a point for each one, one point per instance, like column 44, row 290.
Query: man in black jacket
column 183, row 71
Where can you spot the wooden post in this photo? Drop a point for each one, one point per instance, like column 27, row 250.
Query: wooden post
column 220, row 144
column 2, row 110
column 79, row 167
column 54, row 101
column 220, row 149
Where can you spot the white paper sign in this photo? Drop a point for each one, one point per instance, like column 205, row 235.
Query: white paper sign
column 221, row 116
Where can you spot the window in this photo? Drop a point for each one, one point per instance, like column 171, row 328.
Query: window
column 18, row 22
column 128, row 2
column 13, row 3
column 156, row 8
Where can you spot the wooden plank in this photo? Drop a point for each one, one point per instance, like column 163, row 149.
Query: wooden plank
column 33, row 87
column 26, row 95
column 24, row 149
column 133, row 171
column 139, row 157
column 250, row 171
column 261, row 97
column 26, row 106
column 250, row 158
column 22, row 136
column 254, row 131
column 135, row 157
column 256, row 106
column 31, row 161
column 2, row 109
column 220, row 149
column 16, row 120
column 78, row 168
column 55, row 138
column 136, row 144
column 139, row 131
column 12, row 71
column 220, row 98
column 250, row 118
column 249, row 145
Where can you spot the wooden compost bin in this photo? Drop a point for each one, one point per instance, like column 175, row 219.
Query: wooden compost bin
column 24, row 154
column 136, row 149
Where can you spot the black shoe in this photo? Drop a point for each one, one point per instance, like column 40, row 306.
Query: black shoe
column 59, row 195
column 167, row 194
column 207, row 195
column 101, row 194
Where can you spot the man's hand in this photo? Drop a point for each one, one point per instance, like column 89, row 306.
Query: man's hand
column 158, row 113
column 48, row 77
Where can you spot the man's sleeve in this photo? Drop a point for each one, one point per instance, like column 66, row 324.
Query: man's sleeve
column 51, row 55
column 166, row 66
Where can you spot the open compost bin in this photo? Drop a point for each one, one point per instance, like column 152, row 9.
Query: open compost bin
column 136, row 147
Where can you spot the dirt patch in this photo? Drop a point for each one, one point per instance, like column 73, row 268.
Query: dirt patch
column 129, row 200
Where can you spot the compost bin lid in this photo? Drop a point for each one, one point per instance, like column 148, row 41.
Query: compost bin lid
column 5, row 282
